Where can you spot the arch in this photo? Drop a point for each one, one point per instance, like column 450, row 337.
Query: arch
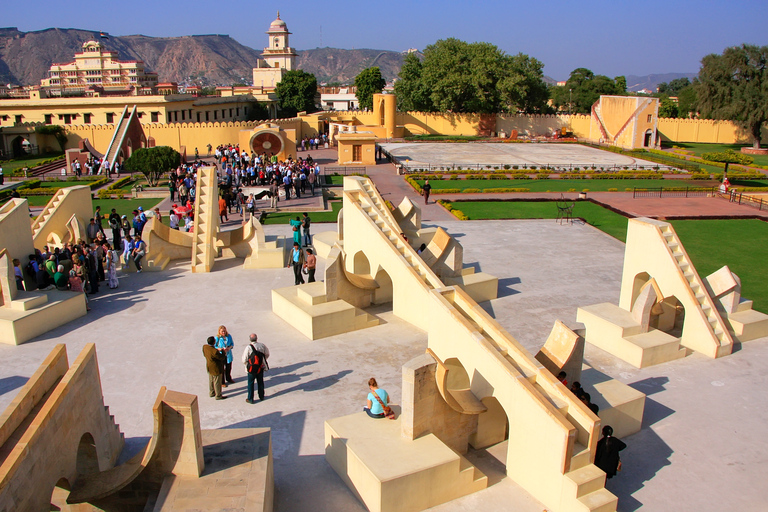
column 17, row 146
column 59, row 495
column 129, row 146
column 87, row 455
column 648, row 138
column 360, row 264
column 637, row 285
column 492, row 425
column 669, row 316
column 382, row 115
column 384, row 292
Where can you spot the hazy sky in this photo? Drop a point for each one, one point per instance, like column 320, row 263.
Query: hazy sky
column 614, row 37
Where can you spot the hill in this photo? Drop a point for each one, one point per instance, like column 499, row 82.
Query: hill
column 650, row 82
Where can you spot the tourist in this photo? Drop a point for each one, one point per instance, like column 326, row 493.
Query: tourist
column 127, row 250
column 138, row 252
column 312, row 179
column 297, row 262
column 76, row 285
column 214, row 364
column 377, row 400
column 142, row 220
column 92, row 267
column 607, row 453
column 305, row 224
column 255, row 360
column 562, row 378
column 99, row 218
column 225, row 344
column 173, row 220
column 126, row 225
column 60, row 279
column 172, row 187
column 158, row 215
column 296, row 228
column 425, row 191
column 223, row 208
column 274, row 191
column 111, row 257
column 114, row 225
column 17, row 273
column 310, row 266
column 91, row 231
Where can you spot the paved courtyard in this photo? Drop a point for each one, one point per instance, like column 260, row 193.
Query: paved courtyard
column 702, row 446
column 471, row 155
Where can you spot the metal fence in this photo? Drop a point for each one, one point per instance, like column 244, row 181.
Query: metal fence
column 412, row 167
column 755, row 202
column 345, row 171
column 674, row 192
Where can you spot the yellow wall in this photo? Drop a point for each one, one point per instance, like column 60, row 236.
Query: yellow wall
column 705, row 131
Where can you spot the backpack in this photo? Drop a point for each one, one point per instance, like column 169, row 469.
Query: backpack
column 256, row 361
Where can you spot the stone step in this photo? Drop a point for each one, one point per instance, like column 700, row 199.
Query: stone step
column 586, row 480
column 601, row 500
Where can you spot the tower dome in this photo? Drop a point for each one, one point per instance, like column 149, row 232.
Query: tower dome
column 278, row 25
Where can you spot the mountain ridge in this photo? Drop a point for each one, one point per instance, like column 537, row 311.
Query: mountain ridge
column 205, row 59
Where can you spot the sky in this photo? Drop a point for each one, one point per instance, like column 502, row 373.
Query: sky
column 612, row 38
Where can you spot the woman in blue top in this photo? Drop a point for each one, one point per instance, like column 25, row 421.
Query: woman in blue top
column 296, row 226
column 374, row 409
column 225, row 344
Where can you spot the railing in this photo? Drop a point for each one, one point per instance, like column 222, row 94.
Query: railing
column 411, row 167
column 740, row 198
column 674, row 192
column 344, row 170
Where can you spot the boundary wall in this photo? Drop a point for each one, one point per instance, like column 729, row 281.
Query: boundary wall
column 199, row 135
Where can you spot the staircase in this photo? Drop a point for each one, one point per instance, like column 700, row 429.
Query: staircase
column 47, row 212
column 51, row 167
column 206, row 220
column 706, row 306
column 585, row 481
column 119, row 136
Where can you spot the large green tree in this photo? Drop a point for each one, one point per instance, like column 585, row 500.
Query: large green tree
column 583, row 88
column 687, row 100
column 674, row 87
column 153, row 162
column 368, row 83
column 456, row 76
column 734, row 86
column 297, row 91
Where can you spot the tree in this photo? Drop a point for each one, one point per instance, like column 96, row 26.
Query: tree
column 412, row 96
column 368, row 83
column 583, row 88
column 57, row 131
column 297, row 91
column 257, row 111
column 674, row 87
column 734, row 86
column 456, row 76
column 667, row 107
column 687, row 101
column 153, row 162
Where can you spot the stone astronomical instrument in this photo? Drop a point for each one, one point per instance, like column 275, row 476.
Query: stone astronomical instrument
column 269, row 143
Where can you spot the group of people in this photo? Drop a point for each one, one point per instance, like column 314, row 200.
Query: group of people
column 608, row 448
column 218, row 363
column 94, row 166
column 301, row 261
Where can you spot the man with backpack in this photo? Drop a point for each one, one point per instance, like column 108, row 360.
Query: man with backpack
column 255, row 360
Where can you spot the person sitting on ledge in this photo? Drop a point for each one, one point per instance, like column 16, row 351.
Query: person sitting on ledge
column 375, row 408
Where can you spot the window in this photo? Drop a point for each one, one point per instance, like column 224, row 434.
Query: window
column 183, row 113
column 155, row 116
column 198, row 117
column 206, row 116
column 238, row 111
column 86, row 118
column 650, row 118
column 215, row 115
column 67, row 119
column 17, row 119
column 48, row 119
column 110, row 118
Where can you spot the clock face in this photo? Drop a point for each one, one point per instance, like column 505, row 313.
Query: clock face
column 266, row 143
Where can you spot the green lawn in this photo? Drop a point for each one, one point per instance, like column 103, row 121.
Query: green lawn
column 284, row 217
column 558, row 185
column 603, row 219
column 742, row 244
column 123, row 206
column 10, row 167
column 699, row 149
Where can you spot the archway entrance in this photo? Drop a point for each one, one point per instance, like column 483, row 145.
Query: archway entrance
column 488, row 445
column 384, row 292
column 648, row 139
column 17, row 146
column 60, row 494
